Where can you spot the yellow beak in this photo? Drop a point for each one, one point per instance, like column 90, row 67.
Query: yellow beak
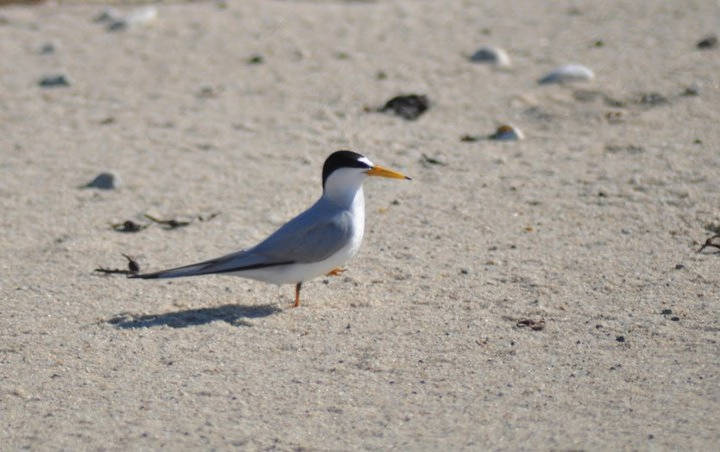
column 378, row 170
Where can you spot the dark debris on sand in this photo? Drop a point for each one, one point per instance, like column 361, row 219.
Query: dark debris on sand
column 708, row 42
column 535, row 325
column 54, row 81
column 133, row 268
column 712, row 242
column 175, row 223
column 409, row 106
column 128, row 226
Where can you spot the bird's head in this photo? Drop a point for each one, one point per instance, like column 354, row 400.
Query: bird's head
column 345, row 171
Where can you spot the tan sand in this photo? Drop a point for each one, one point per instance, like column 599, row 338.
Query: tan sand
column 591, row 224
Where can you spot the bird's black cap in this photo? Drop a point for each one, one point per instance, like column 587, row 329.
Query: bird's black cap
column 342, row 159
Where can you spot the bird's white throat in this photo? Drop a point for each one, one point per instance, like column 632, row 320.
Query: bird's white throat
column 344, row 187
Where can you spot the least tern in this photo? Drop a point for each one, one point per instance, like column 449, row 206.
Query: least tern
column 316, row 242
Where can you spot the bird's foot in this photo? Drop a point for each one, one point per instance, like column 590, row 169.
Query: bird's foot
column 336, row 271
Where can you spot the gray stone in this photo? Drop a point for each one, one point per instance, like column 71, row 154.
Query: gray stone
column 105, row 181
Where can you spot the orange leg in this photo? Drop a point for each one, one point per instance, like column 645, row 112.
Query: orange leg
column 297, row 294
column 335, row 272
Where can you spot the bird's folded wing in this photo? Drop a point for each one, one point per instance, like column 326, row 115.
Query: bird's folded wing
column 307, row 242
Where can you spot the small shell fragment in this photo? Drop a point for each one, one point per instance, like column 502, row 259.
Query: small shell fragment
column 507, row 133
column 568, row 73
column 142, row 16
column 117, row 21
column 491, row 55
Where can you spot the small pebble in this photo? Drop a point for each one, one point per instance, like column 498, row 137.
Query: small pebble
column 691, row 91
column 507, row 133
column 620, row 338
column 208, row 92
column 117, row 25
column 54, row 81
column 679, row 266
column 408, row 107
column 652, row 99
column 104, row 181
column 255, row 59
column 666, row 312
column 675, row 319
column 491, row 55
column 574, row 11
column 614, row 117
column 708, row 42
column 568, row 73
column 20, row 392
column 47, row 48
column 586, row 95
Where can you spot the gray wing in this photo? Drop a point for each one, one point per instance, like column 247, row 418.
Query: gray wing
column 312, row 236
column 309, row 237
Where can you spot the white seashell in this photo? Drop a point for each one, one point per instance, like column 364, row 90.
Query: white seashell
column 136, row 17
column 507, row 133
column 491, row 55
column 568, row 73
column 142, row 16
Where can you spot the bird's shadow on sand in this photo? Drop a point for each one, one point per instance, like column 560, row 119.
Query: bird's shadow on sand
column 233, row 314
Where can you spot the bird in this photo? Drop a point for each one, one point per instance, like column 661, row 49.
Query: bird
column 316, row 242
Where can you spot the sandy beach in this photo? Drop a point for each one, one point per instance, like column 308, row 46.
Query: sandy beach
column 539, row 294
